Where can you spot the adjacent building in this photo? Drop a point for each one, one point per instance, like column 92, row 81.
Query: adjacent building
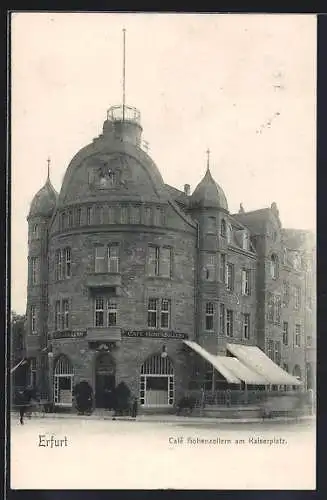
column 130, row 279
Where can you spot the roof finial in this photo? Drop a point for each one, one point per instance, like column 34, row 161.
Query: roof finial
column 124, row 70
column 48, row 162
column 208, row 158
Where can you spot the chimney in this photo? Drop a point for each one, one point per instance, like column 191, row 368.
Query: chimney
column 187, row 189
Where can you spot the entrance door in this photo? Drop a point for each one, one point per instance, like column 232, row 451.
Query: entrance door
column 105, row 381
column 157, row 385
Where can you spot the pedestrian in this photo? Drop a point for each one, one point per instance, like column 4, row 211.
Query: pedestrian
column 134, row 408
column 24, row 397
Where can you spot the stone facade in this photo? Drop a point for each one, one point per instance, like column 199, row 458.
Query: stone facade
column 118, row 251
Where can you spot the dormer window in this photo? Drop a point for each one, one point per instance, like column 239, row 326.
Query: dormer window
column 223, row 228
column 229, row 233
column 274, row 266
column 246, row 241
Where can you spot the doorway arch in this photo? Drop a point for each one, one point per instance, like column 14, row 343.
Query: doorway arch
column 105, row 380
column 157, row 383
column 63, row 382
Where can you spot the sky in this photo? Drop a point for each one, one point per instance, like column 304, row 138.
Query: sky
column 242, row 85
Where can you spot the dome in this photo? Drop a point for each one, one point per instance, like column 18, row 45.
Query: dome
column 114, row 167
column 208, row 194
column 44, row 201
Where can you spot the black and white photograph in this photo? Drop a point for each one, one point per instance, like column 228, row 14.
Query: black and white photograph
column 163, row 251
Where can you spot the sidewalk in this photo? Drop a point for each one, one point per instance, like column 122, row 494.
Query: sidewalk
column 171, row 419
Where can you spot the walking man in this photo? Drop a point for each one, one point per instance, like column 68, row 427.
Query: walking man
column 134, row 408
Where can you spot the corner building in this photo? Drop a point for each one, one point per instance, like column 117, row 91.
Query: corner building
column 133, row 280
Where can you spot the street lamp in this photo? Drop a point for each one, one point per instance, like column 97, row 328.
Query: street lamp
column 164, row 353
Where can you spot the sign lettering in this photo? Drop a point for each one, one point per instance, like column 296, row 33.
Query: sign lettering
column 154, row 334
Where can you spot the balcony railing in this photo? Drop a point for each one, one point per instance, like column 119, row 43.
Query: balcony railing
column 124, row 113
column 103, row 280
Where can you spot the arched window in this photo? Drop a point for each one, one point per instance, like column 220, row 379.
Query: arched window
column 157, row 384
column 274, row 266
column 63, row 382
column 223, row 228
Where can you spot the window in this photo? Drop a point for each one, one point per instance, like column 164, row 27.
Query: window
column 165, row 262
column 223, row 268
column 229, row 323
column 57, row 315
column 78, row 216
column 285, row 367
column 111, row 215
column 297, row 335
column 58, row 265
column 35, row 231
column 286, row 294
column 112, row 313
column 270, row 349
column 277, row 353
column 297, row 298
column 100, row 259
column 153, row 261
column 98, row 216
column 69, row 218
column 246, row 326
column 274, row 266
column 157, row 216
column 285, row 257
column 277, row 310
column 135, row 215
column 67, row 254
column 152, row 313
column 246, row 240
column 285, row 333
column 32, row 372
column 209, row 316
column 222, row 319
column 246, row 273
column 148, row 216
column 65, row 314
column 163, row 216
column 165, row 313
column 89, row 215
column 229, row 233
column 270, row 307
column 63, row 263
column 99, row 311
column 223, row 228
column 159, row 261
column 64, row 221
column 34, row 270
column 309, row 341
column 210, row 266
column 33, row 320
column 124, row 215
column 230, row 277
column 113, row 258
column 211, row 225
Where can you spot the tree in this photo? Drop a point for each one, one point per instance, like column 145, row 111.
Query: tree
column 17, row 345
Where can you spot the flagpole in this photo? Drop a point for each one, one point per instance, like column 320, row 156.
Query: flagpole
column 124, row 71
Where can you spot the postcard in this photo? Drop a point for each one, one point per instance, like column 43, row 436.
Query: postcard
column 163, row 251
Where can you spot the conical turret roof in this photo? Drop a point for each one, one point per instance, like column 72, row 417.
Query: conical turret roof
column 208, row 194
column 44, row 201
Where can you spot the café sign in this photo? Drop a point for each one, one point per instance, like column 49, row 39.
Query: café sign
column 154, row 334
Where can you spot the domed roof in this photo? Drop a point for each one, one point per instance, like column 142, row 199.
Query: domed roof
column 44, row 201
column 208, row 194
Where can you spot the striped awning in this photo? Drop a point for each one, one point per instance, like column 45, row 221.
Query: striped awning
column 256, row 360
column 214, row 361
